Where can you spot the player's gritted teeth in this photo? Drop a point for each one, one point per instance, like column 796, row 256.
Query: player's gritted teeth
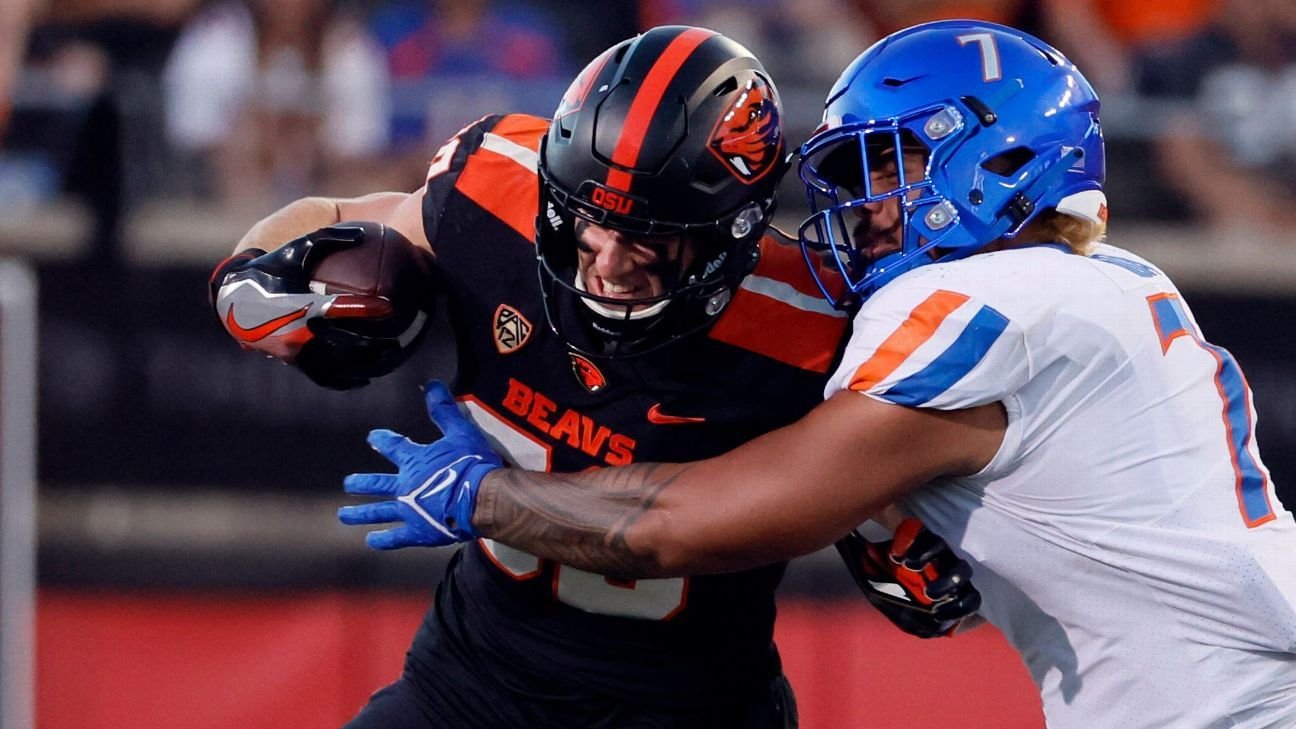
column 639, row 286
column 620, row 290
column 613, row 265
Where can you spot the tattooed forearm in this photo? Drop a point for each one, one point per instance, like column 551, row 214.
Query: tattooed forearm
column 587, row 521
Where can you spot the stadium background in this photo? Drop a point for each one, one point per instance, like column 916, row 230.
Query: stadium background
column 191, row 573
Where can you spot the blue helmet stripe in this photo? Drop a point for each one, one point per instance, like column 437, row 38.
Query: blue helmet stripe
column 954, row 363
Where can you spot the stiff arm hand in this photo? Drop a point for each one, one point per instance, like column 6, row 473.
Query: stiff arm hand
column 432, row 496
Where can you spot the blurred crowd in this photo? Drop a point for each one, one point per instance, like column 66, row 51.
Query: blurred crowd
column 246, row 104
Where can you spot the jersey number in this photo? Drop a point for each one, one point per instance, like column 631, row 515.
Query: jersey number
column 990, row 67
column 643, row 599
column 441, row 160
column 1171, row 323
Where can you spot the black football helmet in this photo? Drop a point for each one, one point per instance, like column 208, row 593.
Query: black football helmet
column 675, row 132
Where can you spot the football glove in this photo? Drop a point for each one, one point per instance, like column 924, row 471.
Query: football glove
column 914, row 579
column 433, row 494
column 266, row 302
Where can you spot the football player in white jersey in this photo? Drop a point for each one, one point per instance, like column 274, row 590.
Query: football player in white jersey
column 1044, row 402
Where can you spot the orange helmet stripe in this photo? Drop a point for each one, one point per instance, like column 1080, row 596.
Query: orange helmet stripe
column 626, row 152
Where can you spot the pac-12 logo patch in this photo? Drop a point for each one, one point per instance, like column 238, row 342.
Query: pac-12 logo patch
column 587, row 373
column 748, row 138
column 512, row 330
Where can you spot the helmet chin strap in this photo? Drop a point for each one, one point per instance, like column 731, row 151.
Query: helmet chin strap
column 609, row 313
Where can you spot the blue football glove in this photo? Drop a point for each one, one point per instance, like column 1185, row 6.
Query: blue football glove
column 435, row 491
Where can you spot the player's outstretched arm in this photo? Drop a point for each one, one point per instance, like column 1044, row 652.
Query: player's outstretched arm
column 785, row 494
column 782, row 495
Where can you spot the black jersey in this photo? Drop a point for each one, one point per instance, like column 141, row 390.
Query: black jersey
column 671, row 642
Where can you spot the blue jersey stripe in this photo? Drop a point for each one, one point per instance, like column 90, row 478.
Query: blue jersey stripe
column 1253, row 499
column 1252, row 495
column 1139, row 269
column 1170, row 319
column 954, row 363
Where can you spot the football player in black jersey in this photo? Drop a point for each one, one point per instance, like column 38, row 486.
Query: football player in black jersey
column 662, row 325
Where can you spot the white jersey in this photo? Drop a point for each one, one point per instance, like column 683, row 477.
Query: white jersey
column 1126, row 538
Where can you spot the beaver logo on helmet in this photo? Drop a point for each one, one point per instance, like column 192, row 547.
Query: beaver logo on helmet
column 747, row 137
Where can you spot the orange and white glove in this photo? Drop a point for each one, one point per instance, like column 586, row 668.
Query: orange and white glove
column 914, row 579
column 267, row 303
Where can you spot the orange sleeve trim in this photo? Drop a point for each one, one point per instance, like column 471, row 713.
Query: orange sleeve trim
column 500, row 185
column 912, row 333
column 647, row 100
column 523, row 129
column 776, row 330
column 504, row 189
column 786, row 263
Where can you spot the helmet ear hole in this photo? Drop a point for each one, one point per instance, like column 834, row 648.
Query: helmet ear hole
column 1006, row 164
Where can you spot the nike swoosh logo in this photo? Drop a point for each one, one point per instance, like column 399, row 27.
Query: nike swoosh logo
column 427, row 489
column 657, row 417
column 261, row 331
column 444, row 478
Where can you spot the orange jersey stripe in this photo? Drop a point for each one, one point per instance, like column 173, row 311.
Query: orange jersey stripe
column 780, row 331
column 502, row 186
column 786, row 263
column 626, row 152
column 922, row 323
column 524, row 129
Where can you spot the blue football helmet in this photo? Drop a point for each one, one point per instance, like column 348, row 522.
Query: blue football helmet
column 1007, row 128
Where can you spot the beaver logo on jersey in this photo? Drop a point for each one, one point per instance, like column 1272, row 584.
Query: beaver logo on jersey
column 512, row 330
column 587, row 374
column 747, row 137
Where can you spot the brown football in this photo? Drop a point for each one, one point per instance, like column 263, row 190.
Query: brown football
column 383, row 263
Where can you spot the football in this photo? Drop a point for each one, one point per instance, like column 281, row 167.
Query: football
column 348, row 351
column 383, row 263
